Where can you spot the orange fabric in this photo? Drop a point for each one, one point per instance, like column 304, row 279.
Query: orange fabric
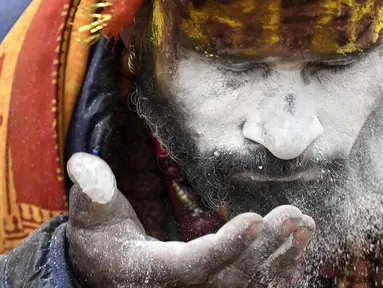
column 38, row 57
column 76, row 65
column 73, row 65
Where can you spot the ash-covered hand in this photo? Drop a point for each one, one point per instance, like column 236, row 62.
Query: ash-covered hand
column 108, row 246
column 271, row 260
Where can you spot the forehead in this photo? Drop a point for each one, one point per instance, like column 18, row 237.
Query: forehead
column 282, row 27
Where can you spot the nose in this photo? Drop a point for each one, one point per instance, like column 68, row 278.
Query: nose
column 286, row 126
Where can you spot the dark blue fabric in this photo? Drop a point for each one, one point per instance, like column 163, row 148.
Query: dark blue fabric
column 4, row 272
column 96, row 103
column 40, row 260
column 60, row 275
column 10, row 11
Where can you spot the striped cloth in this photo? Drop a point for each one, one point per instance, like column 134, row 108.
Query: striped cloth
column 42, row 68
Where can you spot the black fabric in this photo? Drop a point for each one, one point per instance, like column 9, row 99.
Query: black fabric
column 40, row 259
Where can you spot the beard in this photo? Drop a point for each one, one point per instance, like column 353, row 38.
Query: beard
column 345, row 201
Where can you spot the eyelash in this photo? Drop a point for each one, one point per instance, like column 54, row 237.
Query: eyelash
column 249, row 68
column 313, row 69
column 336, row 68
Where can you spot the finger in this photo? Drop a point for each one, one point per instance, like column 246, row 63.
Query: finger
column 168, row 263
column 193, row 262
column 282, row 263
column 209, row 254
column 94, row 199
column 279, row 224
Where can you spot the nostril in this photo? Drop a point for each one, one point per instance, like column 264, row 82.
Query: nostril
column 284, row 140
column 253, row 132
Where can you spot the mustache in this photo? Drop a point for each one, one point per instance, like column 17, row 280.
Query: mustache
column 214, row 178
column 257, row 159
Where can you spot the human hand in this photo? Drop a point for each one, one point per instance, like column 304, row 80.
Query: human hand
column 108, row 246
column 271, row 260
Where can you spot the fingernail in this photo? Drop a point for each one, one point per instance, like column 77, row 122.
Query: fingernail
column 303, row 235
column 100, row 195
column 254, row 230
column 290, row 226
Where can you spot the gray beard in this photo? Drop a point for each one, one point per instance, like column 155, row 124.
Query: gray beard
column 346, row 204
column 350, row 219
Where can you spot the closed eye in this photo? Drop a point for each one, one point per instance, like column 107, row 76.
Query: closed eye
column 337, row 66
column 243, row 67
column 238, row 64
column 313, row 68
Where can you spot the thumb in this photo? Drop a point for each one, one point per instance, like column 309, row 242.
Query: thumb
column 94, row 199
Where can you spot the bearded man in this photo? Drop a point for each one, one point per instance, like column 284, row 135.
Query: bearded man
column 264, row 106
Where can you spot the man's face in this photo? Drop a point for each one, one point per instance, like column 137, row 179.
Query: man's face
column 256, row 132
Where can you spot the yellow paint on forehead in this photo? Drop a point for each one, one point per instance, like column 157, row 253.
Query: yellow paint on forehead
column 232, row 14
column 270, row 36
column 269, row 14
column 328, row 11
column 198, row 17
column 248, row 7
column 323, row 33
column 361, row 10
column 379, row 24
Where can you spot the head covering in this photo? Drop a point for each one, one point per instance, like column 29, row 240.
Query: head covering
column 261, row 27
column 265, row 27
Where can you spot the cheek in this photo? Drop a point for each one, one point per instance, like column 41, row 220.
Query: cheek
column 213, row 105
column 344, row 105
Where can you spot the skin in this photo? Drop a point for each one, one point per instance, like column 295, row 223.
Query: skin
column 121, row 255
